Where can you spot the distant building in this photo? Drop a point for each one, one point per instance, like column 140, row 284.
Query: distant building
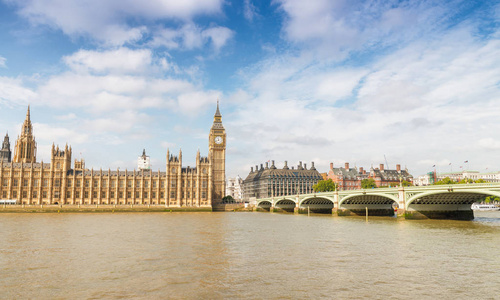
column 5, row 153
column 272, row 182
column 385, row 177
column 431, row 177
column 234, row 188
column 143, row 162
column 56, row 182
column 345, row 178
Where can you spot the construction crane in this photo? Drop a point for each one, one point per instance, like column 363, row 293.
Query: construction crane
column 386, row 164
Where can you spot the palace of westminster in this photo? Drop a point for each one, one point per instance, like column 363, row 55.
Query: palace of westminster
column 30, row 182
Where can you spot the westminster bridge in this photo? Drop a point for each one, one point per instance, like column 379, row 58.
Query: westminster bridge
column 435, row 201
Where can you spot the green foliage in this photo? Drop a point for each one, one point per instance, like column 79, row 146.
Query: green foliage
column 447, row 180
column 228, row 199
column 368, row 183
column 491, row 199
column 325, row 186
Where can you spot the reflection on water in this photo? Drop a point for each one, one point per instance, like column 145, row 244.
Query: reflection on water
column 247, row 255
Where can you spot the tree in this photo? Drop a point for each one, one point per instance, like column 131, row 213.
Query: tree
column 228, row 199
column 445, row 180
column 406, row 183
column 325, row 186
column 368, row 183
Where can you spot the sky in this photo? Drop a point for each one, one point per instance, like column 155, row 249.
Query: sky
column 415, row 83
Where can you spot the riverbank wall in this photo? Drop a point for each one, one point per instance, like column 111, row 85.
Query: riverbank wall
column 97, row 208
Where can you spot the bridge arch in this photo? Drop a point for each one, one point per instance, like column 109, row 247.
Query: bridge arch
column 450, row 196
column 264, row 204
column 363, row 198
column 317, row 200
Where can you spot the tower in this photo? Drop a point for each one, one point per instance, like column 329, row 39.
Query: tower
column 143, row 161
column 25, row 150
column 5, row 153
column 217, row 155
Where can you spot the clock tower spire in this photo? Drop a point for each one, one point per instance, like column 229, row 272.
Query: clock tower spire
column 217, row 155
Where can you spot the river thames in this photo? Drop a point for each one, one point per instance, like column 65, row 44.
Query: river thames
column 247, row 255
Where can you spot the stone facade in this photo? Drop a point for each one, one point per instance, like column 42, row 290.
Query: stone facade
column 234, row 188
column 32, row 182
column 272, row 182
column 348, row 178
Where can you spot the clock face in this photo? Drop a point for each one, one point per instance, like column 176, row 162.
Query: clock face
column 218, row 140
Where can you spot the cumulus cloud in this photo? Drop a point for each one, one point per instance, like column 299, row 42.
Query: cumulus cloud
column 107, row 21
column 249, row 10
column 121, row 60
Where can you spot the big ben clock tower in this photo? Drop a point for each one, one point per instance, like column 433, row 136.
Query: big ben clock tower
column 217, row 154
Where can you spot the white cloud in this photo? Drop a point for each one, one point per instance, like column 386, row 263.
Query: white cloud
column 105, row 21
column 249, row 10
column 12, row 90
column 2, row 62
column 190, row 37
column 121, row 60
column 489, row 143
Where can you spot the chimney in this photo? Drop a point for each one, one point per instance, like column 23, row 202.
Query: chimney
column 398, row 168
column 381, row 167
column 305, row 166
column 361, row 170
column 312, row 166
column 256, row 168
column 267, row 165
column 261, row 166
column 347, row 166
column 285, row 167
column 300, row 166
column 331, row 166
column 251, row 169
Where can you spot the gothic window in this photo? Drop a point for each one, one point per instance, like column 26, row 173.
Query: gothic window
column 173, row 170
column 5, row 182
column 25, row 182
column 35, row 194
column 129, row 195
column 58, row 165
column 137, row 195
column 204, row 171
column 154, row 183
column 78, row 183
column 162, row 184
column 86, row 194
column 14, row 194
column 44, row 194
column 146, row 195
column 129, row 183
column 96, row 183
column 153, row 195
column 146, row 184
column 87, row 183
column 120, row 195
column 137, row 184
column 68, row 183
column 104, row 183
column 68, row 194
column 173, row 183
column 111, row 194
column 203, row 194
column 122, row 183
column 103, row 195
column 94, row 194
column 172, row 195
column 77, row 194
column 57, row 182
column 112, row 184
column 204, row 184
column 15, row 183
column 162, row 195
column 25, row 194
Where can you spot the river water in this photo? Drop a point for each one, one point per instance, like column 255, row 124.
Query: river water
column 247, row 255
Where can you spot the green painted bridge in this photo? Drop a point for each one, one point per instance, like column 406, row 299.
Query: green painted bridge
column 435, row 202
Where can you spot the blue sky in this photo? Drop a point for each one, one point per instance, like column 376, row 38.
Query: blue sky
column 324, row 81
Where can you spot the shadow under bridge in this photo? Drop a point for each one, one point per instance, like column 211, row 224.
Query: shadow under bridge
column 377, row 205
column 446, row 205
column 317, row 205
